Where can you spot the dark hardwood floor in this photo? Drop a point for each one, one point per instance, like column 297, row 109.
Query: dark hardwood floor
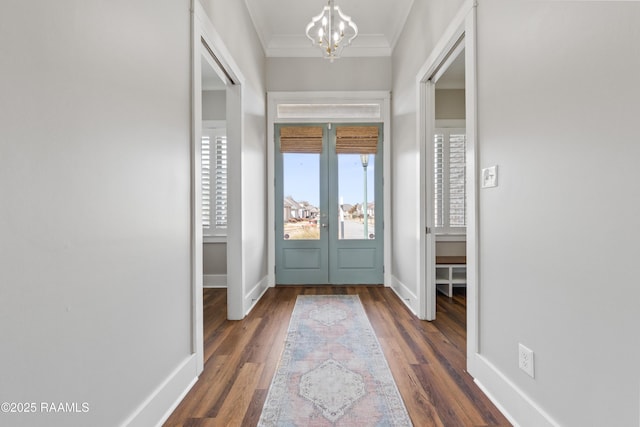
column 427, row 359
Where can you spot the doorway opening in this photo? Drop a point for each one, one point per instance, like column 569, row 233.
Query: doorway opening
column 449, row 220
column 449, row 178
column 214, row 167
column 337, row 115
column 216, row 135
column 329, row 204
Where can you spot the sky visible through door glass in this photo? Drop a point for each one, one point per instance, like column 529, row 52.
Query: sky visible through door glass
column 302, row 173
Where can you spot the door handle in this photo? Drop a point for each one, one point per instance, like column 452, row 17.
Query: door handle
column 324, row 225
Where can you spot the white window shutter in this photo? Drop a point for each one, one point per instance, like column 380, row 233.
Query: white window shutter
column 438, row 180
column 449, row 165
column 457, row 184
column 206, row 182
column 214, row 182
column 220, row 194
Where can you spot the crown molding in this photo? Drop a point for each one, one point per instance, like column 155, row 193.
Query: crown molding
column 299, row 46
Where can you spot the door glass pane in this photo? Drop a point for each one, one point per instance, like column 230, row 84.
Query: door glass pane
column 356, row 204
column 301, row 185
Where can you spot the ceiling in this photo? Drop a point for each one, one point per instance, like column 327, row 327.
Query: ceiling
column 281, row 25
column 282, row 35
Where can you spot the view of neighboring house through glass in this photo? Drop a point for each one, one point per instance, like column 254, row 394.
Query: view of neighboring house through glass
column 301, row 178
column 353, row 162
column 356, row 189
column 301, row 174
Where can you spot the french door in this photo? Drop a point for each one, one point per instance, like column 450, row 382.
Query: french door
column 329, row 204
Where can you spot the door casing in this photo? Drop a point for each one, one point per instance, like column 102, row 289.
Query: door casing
column 381, row 99
column 463, row 26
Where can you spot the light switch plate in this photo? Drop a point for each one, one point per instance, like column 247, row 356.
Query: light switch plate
column 490, row 177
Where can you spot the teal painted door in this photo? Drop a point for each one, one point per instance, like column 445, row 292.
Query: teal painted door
column 302, row 231
column 329, row 204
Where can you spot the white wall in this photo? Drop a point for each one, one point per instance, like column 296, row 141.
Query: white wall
column 426, row 23
column 95, row 205
column 319, row 74
column 444, row 248
column 247, row 246
column 558, row 110
column 450, row 104
column 214, row 258
column 214, row 105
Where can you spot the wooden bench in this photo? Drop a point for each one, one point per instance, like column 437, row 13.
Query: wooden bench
column 451, row 271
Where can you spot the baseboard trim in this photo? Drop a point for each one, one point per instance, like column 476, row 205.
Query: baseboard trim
column 254, row 295
column 155, row 410
column 405, row 294
column 514, row 404
column 214, row 281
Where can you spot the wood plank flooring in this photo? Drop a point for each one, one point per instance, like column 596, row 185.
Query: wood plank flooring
column 427, row 359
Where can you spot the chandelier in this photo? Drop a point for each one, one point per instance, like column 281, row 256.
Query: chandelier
column 331, row 31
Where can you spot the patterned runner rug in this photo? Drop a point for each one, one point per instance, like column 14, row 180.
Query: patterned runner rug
column 332, row 371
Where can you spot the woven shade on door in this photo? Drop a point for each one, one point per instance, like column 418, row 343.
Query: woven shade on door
column 301, row 139
column 356, row 139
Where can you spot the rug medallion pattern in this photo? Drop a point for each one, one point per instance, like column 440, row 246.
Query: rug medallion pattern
column 332, row 371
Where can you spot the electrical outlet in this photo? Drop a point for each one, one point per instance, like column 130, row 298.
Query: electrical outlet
column 525, row 359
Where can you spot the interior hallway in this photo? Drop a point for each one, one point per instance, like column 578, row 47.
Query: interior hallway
column 427, row 359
